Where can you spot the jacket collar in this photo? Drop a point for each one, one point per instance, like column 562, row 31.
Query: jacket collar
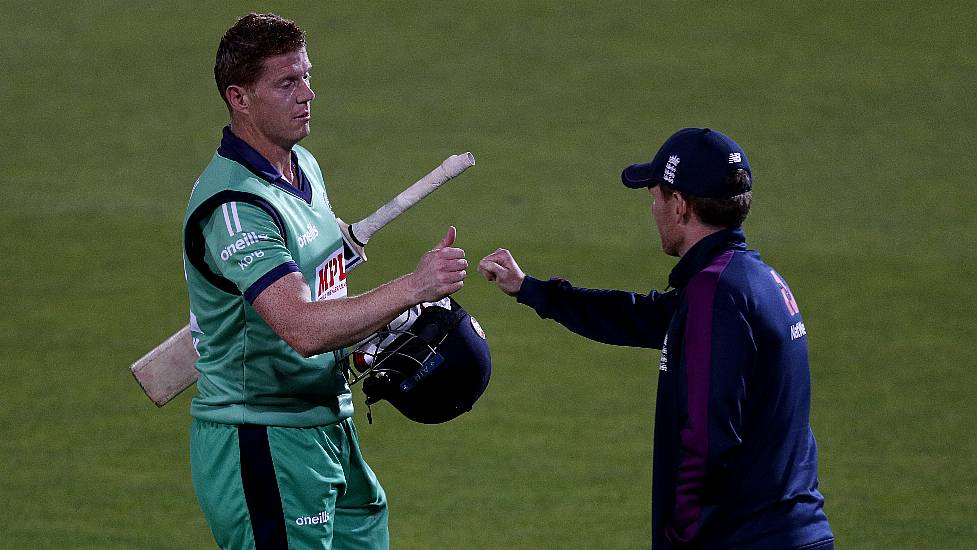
column 703, row 252
column 238, row 150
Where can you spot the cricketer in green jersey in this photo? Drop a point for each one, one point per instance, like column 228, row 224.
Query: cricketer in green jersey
column 274, row 454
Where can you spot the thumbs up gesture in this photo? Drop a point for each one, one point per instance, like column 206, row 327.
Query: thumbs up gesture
column 441, row 271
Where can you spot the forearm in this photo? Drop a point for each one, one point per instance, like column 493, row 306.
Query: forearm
column 312, row 328
column 609, row 316
column 339, row 323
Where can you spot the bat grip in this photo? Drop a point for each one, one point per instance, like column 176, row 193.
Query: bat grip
column 354, row 238
column 454, row 165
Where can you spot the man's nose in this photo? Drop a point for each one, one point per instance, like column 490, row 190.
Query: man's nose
column 306, row 94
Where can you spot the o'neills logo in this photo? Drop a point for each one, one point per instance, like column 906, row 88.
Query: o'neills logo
column 311, row 233
column 320, row 518
column 245, row 241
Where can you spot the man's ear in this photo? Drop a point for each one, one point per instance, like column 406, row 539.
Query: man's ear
column 238, row 97
column 681, row 209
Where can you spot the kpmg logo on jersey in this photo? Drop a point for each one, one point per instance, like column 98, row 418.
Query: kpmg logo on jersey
column 331, row 277
column 311, row 232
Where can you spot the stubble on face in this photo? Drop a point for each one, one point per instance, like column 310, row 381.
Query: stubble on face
column 281, row 99
column 664, row 220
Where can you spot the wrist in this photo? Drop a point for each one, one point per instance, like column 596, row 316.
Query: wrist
column 517, row 288
column 403, row 291
column 528, row 288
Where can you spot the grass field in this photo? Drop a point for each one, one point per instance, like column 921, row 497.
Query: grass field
column 859, row 120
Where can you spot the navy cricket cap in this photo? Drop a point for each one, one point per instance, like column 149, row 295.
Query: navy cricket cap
column 696, row 161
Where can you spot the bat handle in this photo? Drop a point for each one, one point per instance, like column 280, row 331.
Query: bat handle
column 352, row 235
column 361, row 231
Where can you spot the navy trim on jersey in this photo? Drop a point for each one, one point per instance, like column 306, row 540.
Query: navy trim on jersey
column 193, row 235
column 236, row 149
column 267, row 279
column 261, row 488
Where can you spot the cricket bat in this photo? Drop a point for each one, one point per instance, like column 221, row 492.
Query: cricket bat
column 170, row 367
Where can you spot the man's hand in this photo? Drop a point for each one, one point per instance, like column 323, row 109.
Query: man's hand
column 441, row 271
column 500, row 267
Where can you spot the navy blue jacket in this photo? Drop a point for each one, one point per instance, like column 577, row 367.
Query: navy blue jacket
column 735, row 462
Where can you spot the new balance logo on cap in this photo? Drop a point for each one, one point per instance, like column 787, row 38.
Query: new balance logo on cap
column 701, row 152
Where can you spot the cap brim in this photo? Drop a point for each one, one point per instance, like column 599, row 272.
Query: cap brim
column 638, row 176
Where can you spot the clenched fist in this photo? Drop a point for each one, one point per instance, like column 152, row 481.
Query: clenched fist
column 501, row 268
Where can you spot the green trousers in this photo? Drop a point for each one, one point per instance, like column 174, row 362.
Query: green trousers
column 263, row 487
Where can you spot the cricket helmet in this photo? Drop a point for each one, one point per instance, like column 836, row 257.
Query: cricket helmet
column 431, row 363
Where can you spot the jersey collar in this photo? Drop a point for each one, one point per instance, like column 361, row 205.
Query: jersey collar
column 698, row 257
column 238, row 150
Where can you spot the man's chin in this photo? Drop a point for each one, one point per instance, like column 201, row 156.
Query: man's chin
column 670, row 250
column 297, row 136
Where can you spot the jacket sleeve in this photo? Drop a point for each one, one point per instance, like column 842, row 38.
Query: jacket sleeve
column 609, row 316
column 719, row 353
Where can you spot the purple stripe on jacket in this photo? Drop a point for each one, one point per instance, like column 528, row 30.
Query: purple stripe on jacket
column 700, row 294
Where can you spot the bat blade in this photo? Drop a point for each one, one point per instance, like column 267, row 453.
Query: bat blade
column 170, row 368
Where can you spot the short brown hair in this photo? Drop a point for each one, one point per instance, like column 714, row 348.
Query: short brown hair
column 246, row 45
column 726, row 213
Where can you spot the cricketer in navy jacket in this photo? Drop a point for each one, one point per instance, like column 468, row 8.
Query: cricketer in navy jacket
column 735, row 462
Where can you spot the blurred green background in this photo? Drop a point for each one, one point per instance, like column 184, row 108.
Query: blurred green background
column 859, row 120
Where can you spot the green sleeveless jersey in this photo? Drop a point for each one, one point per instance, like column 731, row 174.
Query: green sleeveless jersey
column 245, row 228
